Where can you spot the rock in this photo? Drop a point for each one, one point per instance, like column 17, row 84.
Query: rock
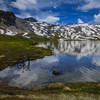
column 67, row 88
column 7, row 18
column 56, row 73
column 56, row 85
column 31, row 19
column 2, row 56
column 98, row 84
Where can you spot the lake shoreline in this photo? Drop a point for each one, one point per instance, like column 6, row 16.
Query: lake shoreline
column 53, row 89
column 16, row 49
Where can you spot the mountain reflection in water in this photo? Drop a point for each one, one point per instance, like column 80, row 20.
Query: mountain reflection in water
column 74, row 60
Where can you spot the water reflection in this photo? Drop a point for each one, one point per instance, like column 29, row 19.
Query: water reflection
column 81, row 64
column 75, row 48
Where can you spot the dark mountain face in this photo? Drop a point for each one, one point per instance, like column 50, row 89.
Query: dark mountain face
column 14, row 23
column 7, row 18
column 31, row 19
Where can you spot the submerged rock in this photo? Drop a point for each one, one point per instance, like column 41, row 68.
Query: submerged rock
column 56, row 73
column 56, row 85
column 66, row 88
column 2, row 56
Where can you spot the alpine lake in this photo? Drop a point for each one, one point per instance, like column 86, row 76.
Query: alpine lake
column 73, row 64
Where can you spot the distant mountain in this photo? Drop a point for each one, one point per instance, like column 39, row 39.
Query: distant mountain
column 11, row 25
column 31, row 19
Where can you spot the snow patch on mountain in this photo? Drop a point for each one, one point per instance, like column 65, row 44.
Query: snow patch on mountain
column 2, row 31
column 74, row 31
column 81, row 31
column 7, row 32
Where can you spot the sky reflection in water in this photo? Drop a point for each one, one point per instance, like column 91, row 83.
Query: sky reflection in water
column 75, row 61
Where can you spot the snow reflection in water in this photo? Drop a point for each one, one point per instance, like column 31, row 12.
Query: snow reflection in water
column 75, row 61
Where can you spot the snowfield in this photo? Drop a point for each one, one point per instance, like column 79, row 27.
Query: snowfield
column 74, row 31
column 82, row 31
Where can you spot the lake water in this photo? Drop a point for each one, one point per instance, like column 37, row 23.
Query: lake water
column 73, row 60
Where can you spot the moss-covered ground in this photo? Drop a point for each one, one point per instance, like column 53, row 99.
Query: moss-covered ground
column 54, row 91
column 14, row 48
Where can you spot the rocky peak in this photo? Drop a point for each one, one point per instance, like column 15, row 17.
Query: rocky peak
column 31, row 19
column 7, row 18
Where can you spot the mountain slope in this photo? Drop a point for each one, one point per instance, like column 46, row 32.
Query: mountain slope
column 12, row 25
column 74, row 31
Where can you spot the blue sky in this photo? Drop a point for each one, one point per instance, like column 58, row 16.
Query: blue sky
column 55, row 11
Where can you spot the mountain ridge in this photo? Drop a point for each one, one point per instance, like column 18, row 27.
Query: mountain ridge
column 12, row 25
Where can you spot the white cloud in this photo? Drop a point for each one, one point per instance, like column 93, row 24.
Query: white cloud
column 50, row 19
column 97, row 18
column 51, row 59
column 90, row 4
column 46, row 16
column 24, row 4
column 96, row 60
column 37, row 4
column 3, row 5
column 32, row 4
column 80, row 21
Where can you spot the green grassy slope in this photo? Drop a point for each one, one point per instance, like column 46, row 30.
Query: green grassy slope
column 12, row 48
